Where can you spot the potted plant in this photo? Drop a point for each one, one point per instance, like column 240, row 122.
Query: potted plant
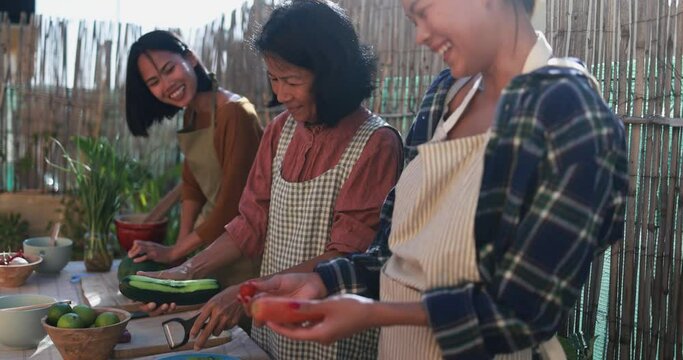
column 101, row 175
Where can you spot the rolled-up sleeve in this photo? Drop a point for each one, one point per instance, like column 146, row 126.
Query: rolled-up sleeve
column 356, row 212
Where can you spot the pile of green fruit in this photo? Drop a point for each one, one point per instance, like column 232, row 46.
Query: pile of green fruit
column 62, row 315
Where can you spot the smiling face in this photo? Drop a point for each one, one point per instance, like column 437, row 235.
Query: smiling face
column 293, row 87
column 462, row 32
column 169, row 76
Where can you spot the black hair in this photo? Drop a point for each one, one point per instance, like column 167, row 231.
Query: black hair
column 319, row 36
column 528, row 5
column 142, row 108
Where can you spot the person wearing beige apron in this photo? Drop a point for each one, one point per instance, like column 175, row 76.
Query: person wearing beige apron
column 219, row 142
column 492, row 227
column 436, row 201
column 197, row 146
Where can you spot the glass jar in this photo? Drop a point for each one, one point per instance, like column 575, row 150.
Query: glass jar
column 98, row 254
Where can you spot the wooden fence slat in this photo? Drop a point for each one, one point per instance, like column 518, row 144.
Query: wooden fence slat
column 653, row 293
column 668, row 213
column 678, row 71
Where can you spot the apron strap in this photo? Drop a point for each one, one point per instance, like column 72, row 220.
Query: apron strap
column 442, row 129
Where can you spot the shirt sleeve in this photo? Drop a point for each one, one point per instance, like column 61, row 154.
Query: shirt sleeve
column 573, row 204
column 248, row 229
column 359, row 273
column 356, row 212
column 236, row 139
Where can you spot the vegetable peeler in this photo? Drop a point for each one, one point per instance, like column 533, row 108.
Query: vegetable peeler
column 177, row 331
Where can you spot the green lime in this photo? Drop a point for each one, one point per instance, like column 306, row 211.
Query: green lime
column 87, row 314
column 106, row 318
column 56, row 311
column 70, row 321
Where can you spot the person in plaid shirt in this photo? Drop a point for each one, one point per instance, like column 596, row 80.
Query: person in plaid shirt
column 552, row 193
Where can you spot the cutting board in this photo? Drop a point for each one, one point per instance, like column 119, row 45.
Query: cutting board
column 102, row 290
column 147, row 338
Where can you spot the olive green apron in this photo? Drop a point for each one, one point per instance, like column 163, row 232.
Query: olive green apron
column 200, row 154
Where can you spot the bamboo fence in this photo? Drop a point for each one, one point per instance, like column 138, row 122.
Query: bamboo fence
column 633, row 302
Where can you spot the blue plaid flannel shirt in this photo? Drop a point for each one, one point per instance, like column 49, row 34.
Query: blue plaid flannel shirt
column 552, row 197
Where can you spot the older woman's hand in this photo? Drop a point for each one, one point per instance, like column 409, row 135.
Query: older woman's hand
column 222, row 311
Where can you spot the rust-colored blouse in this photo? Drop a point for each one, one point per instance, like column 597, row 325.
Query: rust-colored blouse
column 312, row 151
column 236, row 139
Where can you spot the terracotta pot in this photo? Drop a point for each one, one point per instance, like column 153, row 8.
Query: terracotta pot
column 130, row 228
column 88, row 343
column 16, row 275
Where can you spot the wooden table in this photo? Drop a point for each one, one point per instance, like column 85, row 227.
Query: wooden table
column 66, row 286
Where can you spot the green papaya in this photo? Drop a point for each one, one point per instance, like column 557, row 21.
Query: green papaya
column 128, row 267
column 162, row 291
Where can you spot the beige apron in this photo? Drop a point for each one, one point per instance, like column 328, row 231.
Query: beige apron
column 200, row 154
column 432, row 238
column 299, row 223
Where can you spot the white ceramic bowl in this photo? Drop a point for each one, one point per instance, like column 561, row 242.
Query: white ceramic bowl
column 22, row 328
column 55, row 257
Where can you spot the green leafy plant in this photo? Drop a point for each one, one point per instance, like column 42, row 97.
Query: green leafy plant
column 101, row 178
column 100, row 174
column 13, row 230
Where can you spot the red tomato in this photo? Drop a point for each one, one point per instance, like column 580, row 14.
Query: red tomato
column 247, row 290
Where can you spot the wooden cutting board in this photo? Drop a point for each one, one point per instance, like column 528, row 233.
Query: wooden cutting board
column 102, row 290
column 147, row 338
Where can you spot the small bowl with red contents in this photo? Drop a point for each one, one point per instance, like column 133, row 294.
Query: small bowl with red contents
column 131, row 227
column 16, row 267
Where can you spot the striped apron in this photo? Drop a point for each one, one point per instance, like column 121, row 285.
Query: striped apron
column 299, row 223
column 432, row 239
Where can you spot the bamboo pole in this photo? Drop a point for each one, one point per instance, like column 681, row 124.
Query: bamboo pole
column 652, row 294
column 678, row 51
column 668, row 265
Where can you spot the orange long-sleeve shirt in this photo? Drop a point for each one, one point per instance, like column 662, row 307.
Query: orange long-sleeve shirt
column 236, row 139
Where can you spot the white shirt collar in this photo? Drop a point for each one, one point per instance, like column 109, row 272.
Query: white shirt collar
column 539, row 55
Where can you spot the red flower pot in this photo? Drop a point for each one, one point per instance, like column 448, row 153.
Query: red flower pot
column 130, row 228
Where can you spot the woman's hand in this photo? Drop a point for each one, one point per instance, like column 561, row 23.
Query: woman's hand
column 295, row 285
column 304, row 286
column 147, row 250
column 180, row 272
column 344, row 316
column 223, row 311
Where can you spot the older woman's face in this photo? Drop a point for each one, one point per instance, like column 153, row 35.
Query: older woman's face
column 462, row 32
column 293, row 87
column 169, row 76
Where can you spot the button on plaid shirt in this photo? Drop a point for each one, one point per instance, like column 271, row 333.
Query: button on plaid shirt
column 552, row 197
